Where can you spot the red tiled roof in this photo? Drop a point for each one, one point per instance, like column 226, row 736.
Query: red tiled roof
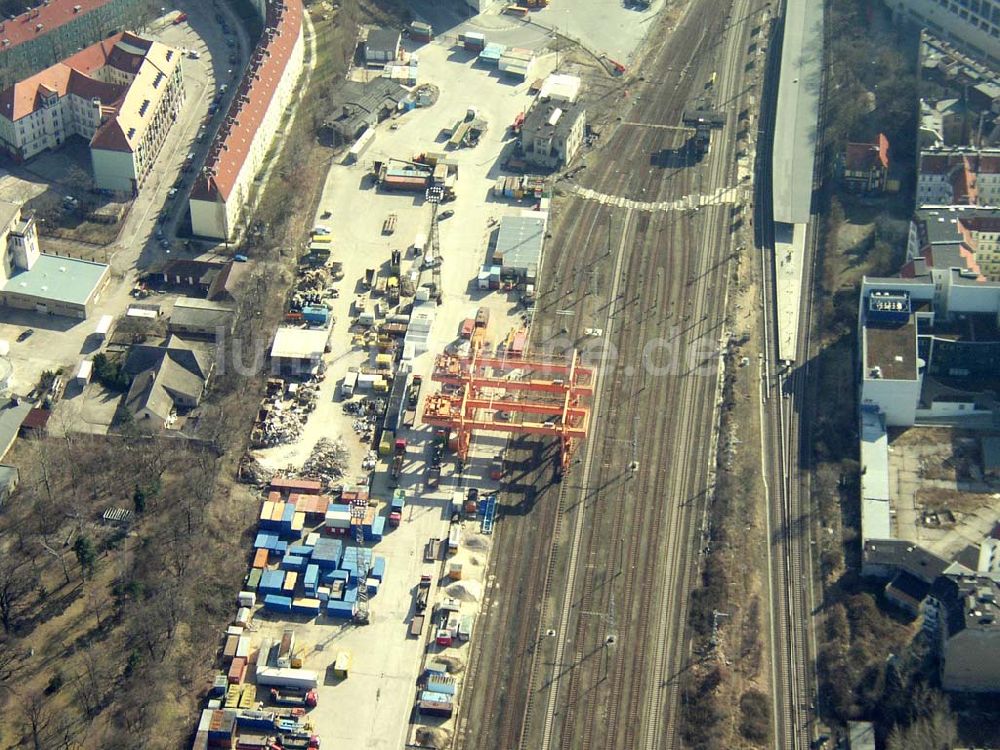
column 70, row 75
column 50, row 16
column 232, row 143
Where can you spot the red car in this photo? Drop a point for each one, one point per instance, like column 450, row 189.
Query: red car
column 181, row 18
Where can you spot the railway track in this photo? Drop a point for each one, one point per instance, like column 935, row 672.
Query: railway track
column 594, row 683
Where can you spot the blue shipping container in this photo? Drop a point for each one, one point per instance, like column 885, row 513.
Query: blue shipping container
column 300, row 549
column 432, row 697
column 278, row 603
column 315, row 314
column 351, row 594
column 378, row 568
column 292, row 562
column 336, row 608
column 312, row 576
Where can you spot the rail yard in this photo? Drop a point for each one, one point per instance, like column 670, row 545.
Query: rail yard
column 595, row 660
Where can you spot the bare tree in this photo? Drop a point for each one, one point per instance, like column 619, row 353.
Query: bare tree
column 36, row 718
column 17, row 580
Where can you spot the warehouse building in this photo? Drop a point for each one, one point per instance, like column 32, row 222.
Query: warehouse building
column 552, row 133
column 121, row 94
column 383, row 46
column 55, row 29
column 202, row 318
column 519, row 245
column 361, row 106
column 299, row 350
column 243, row 141
column 31, row 280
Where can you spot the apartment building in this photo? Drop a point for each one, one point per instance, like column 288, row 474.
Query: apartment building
column 56, row 29
column 121, row 94
column 971, row 25
column 958, row 176
column 222, row 191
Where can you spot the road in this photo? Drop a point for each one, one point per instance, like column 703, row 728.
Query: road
column 583, row 644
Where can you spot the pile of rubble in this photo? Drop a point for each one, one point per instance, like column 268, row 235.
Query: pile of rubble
column 283, row 412
column 327, row 462
column 369, row 462
column 252, row 472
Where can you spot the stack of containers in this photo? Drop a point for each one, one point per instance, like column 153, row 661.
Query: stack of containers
column 327, row 554
column 293, row 562
column 310, row 582
column 338, row 518
column 302, row 550
column 287, row 521
column 270, row 541
column 222, row 728
column 378, row 568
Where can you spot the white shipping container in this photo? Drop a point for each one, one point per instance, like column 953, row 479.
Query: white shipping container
column 243, row 616
column 293, row 678
column 103, row 326
column 246, row 599
column 243, row 646
column 454, row 536
column 84, row 372
column 338, row 519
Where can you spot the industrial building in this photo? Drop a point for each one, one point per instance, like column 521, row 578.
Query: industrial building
column 202, row 318
column 552, row 133
column 361, row 106
column 382, row 46
column 212, row 279
column 55, row 29
column 519, row 244
column 973, row 27
column 243, row 141
column 299, row 350
column 122, row 95
column 31, row 280
column 165, row 379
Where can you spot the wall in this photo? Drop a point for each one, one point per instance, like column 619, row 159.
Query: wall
column 209, row 218
column 114, row 170
column 897, row 399
column 972, row 661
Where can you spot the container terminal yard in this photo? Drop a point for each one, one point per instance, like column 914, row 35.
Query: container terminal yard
column 476, row 531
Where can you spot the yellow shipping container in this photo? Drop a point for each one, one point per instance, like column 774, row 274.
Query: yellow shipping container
column 290, row 578
column 381, row 385
column 278, row 511
column 267, row 510
column 298, row 521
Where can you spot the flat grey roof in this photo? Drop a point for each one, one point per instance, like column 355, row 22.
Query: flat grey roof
column 10, row 424
column 520, row 241
column 59, row 279
column 798, row 110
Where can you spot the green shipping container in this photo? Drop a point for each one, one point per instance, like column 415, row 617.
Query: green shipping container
column 254, row 580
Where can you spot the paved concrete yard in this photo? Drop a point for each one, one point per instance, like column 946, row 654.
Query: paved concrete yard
column 941, row 508
column 373, row 706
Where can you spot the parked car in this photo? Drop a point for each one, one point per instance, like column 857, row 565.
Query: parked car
column 164, row 243
column 446, row 214
column 320, row 229
column 25, row 334
column 181, row 18
column 172, row 192
column 194, row 54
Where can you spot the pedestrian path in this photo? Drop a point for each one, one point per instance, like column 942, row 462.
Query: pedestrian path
column 720, row 197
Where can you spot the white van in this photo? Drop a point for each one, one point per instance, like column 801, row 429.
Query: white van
column 349, row 384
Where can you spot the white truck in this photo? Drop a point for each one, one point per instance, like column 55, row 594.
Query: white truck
column 305, row 679
column 350, row 383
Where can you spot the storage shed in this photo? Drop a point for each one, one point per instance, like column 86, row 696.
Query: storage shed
column 383, row 45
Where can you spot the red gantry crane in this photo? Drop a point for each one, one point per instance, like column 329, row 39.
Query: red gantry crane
column 512, row 395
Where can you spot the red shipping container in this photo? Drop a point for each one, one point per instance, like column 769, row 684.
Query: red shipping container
column 238, row 670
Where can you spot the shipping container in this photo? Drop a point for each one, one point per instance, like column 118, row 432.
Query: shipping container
column 342, row 665
column 237, row 670
column 260, row 558
column 253, row 580
column 246, row 599
column 441, row 684
column 416, row 626
column 292, row 678
column 278, row 603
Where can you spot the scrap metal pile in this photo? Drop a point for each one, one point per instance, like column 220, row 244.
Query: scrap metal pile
column 368, row 413
column 283, row 412
column 327, row 462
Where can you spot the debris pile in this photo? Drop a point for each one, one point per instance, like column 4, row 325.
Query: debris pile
column 327, row 462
